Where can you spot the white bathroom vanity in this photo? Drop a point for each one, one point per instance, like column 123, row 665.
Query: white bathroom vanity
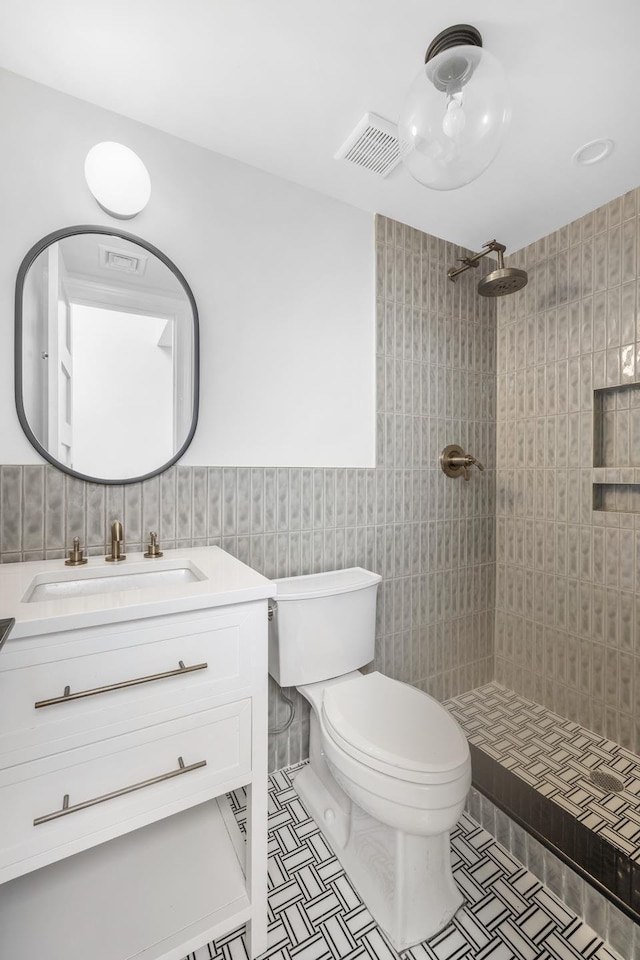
column 132, row 700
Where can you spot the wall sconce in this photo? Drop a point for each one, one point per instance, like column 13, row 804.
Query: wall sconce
column 118, row 179
column 456, row 112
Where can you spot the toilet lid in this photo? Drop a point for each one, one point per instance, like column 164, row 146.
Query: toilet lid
column 390, row 724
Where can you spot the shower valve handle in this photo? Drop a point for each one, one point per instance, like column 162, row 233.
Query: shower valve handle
column 455, row 462
column 466, row 463
column 469, row 461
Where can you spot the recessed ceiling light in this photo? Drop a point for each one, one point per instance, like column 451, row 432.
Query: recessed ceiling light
column 593, row 152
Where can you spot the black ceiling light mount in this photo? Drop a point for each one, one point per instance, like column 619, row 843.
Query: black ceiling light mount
column 453, row 69
column 461, row 35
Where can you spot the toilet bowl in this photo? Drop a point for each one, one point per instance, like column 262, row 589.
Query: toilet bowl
column 389, row 768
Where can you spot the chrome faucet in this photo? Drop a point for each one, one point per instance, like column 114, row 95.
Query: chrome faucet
column 117, row 543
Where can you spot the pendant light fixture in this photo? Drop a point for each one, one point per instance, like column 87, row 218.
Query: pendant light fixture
column 456, row 112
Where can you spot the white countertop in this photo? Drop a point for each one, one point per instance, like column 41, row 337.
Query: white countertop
column 226, row 580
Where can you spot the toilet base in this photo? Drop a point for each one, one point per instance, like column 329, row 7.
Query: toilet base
column 405, row 880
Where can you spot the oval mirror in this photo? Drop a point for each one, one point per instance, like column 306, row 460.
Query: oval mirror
column 107, row 352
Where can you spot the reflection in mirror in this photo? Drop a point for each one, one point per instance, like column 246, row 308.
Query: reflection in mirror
column 107, row 355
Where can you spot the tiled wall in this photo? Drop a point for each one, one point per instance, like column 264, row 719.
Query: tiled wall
column 568, row 576
column 431, row 538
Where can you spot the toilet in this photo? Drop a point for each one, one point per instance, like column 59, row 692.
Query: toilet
column 389, row 767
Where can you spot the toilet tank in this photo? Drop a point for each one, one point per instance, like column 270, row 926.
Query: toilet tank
column 324, row 625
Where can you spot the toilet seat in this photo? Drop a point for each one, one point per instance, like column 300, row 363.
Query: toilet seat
column 395, row 729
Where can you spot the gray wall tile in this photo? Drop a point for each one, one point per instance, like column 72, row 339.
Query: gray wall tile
column 587, row 571
column 33, row 514
column 12, row 508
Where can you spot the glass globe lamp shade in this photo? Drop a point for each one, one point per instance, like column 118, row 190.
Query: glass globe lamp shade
column 454, row 117
column 118, row 179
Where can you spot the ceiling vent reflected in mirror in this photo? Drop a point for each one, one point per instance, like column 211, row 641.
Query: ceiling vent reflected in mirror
column 113, row 259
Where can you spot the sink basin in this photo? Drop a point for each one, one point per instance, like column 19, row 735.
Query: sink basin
column 64, row 584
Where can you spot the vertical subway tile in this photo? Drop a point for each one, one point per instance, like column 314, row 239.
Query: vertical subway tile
column 329, row 494
column 76, row 509
column 306, row 552
column 256, row 553
column 132, row 518
column 295, row 499
column 199, row 525
column 33, row 511
column 168, row 505
column 307, row 499
column 229, row 501
column 270, row 567
column 282, row 504
column 282, row 555
column 270, row 499
column 257, row 500
column 54, row 520
column 12, row 508
column 214, row 501
column 151, row 507
column 96, row 522
column 243, row 500
column 243, row 548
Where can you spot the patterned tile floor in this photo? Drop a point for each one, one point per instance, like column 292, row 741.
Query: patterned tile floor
column 558, row 758
column 315, row 913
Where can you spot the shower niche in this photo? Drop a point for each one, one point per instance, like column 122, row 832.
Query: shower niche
column 616, row 449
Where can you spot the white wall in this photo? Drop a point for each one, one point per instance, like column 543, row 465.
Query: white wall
column 283, row 279
column 34, row 343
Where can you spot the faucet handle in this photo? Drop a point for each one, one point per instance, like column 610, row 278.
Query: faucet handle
column 153, row 547
column 469, row 462
column 76, row 557
column 472, row 461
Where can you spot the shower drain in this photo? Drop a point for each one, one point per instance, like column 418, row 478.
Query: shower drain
column 607, row 781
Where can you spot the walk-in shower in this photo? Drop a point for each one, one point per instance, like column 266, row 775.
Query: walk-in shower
column 497, row 283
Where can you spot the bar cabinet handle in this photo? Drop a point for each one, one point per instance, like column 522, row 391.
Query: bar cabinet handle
column 66, row 809
column 67, row 696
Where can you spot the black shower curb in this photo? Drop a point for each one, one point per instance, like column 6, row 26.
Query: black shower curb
column 609, row 870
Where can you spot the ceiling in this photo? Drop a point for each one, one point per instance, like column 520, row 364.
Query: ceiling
column 280, row 84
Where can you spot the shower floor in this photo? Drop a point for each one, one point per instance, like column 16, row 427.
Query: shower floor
column 554, row 758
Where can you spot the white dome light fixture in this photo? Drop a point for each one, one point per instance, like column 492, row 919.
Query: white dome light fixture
column 456, row 112
column 118, row 179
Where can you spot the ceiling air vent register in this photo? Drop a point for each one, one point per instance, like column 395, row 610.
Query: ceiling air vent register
column 373, row 144
column 121, row 260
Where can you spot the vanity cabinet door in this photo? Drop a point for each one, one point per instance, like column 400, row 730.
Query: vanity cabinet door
column 119, row 785
column 122, row 678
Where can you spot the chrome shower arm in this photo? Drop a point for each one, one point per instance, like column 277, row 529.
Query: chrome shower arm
column 491, row 246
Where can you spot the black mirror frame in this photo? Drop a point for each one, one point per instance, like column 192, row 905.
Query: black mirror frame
column 34, row 252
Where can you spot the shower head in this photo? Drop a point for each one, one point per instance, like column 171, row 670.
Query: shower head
column 502, row 281
column 497, row 283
